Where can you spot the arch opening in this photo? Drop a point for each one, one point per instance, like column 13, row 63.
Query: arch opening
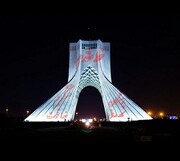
column 90, row 104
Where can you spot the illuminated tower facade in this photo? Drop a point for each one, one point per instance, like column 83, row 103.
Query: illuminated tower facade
column 89, row 65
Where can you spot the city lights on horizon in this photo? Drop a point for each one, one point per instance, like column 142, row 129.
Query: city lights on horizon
column 154, row 114
column 161, row 114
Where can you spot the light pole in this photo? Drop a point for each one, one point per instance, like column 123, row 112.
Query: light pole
column 161, row 114
column 76, row 115
column 27, row 112
column 7, row 111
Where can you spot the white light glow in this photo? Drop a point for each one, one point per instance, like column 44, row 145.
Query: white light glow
column 87, row 123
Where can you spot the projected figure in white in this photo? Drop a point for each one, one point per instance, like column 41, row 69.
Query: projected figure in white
column 89, row 65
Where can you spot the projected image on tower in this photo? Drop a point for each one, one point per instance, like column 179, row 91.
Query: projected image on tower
column 89, row 65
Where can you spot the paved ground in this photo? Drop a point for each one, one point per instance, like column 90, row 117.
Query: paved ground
column 70, row 134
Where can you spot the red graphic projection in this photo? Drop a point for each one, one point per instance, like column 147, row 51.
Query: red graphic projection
column 115, row 101
column 89, row 56
column 58, row 102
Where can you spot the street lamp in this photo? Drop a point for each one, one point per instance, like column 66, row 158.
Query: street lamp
column 27, row 112
column 149, row 113
column 7, row 110
column 161, row 114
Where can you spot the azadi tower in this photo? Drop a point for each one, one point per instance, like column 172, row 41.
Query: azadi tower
column 89, row 65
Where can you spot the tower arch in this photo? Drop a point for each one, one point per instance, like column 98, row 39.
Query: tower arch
column 89, row 65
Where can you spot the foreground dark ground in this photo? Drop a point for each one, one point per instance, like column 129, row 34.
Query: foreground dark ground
column 148, row 131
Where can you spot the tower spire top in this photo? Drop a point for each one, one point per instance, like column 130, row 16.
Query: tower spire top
column 89, row 33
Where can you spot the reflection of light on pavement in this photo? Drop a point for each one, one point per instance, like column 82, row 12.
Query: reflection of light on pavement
column 86, row 130
column 87, row 123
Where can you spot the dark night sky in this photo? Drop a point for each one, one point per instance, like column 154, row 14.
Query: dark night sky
column 145, row 58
